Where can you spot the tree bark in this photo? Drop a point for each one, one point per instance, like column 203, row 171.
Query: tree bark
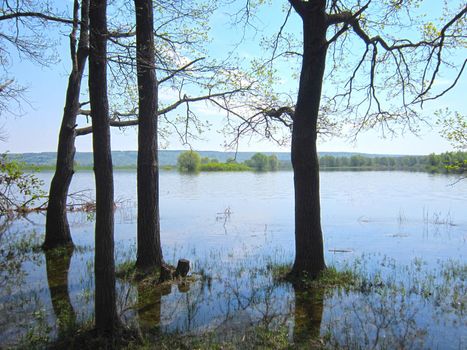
column 104, row 265
column 57, row 229
column 149, row 252
column 309, row 252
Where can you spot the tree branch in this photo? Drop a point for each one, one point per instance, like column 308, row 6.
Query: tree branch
column 116, row 122
column 36, row 15
column 299, row 7
column 346, row 16
column 181, row 69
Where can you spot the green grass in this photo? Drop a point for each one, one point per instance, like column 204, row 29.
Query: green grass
column 168, row 167
column 224, row 167
column 254, row 337
column 443, row 169
column 331, row 277
column 125, row 270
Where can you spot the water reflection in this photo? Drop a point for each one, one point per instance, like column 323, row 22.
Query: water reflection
column 308, row 313
column 5, row 222
column 57, row 264
column 235, row 290
column 231, row 308
column 149, row 306
column 386, row 321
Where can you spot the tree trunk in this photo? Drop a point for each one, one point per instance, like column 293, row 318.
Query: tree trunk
column 104, row 266
column 57, row 229
column 309, row 253
column 149, row 252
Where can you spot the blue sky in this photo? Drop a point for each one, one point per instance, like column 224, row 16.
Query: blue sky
column 36, row 129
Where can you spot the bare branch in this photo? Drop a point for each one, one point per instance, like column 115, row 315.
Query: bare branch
column 116, row 122
column 346, row 16
column 181, row 69
column 36, row 15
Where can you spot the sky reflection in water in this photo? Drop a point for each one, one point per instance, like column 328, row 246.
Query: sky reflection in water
column 233, row 227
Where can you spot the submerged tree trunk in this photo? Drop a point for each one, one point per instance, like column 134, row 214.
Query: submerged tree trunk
column 57, row 229
column 104, row 265
column 149, row 252
column 309, row 252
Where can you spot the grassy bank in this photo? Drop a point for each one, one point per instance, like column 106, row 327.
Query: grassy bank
column 225, row 167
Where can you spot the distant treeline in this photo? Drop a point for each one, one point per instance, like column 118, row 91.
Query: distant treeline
column 444, row 162
column 191, row 162
column 449, row 162
column 128, row 159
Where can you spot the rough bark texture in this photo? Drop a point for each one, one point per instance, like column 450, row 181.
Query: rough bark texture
column 309, row 258
column 57, row 229
column 57, row 266
column 149, row 252
column 104, row 265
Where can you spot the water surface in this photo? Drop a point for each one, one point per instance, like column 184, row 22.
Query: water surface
column 401, row 226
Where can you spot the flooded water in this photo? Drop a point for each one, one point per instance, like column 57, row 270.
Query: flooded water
column 408, row 230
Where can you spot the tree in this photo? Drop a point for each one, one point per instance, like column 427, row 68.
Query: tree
column 262, row 162
column 273, row 162
column 327, row 161
column 373, row 78
column 106, row 317
column 25, row 22
column 22, row 25
column 259, row 162
column 434, row 160
column 57, row 231
column 318, row 16
column 177, row 72
column 453, row 128
column 149, row 252
column 189, row 162
column 357, row 161
column 18, row 191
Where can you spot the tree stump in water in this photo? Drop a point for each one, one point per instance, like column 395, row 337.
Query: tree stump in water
column 183, row 267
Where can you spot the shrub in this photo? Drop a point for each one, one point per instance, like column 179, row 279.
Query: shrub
column 189, row 162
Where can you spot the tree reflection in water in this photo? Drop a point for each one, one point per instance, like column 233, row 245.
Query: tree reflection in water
column 149, row 306
column 58, row 265
column 308, row 313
